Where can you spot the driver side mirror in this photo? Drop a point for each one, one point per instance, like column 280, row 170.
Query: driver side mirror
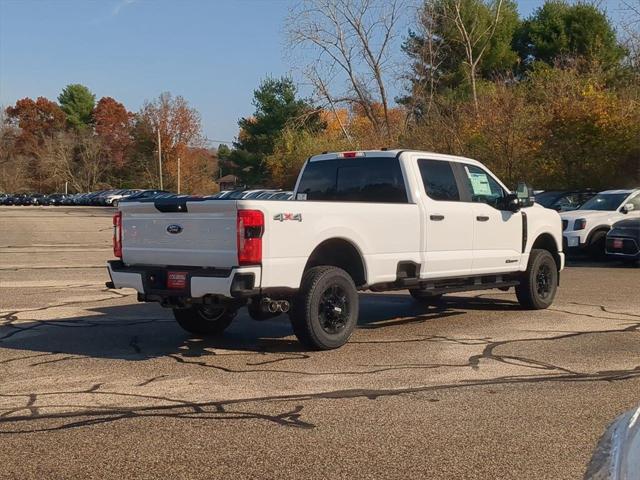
column 524, row 194
column 510, row 203
column 627, row 207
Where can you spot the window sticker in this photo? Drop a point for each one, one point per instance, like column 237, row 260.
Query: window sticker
column 301, row 196
column 479, row 183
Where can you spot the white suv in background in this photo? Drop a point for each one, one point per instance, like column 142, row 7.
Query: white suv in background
column 585, row 229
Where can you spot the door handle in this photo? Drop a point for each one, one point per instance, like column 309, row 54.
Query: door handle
column 482, row 218
column 436, row 218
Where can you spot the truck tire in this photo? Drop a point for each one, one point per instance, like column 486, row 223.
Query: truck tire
column 325, row 310
column 205, row 320
column 538, row 285
column 425, row 298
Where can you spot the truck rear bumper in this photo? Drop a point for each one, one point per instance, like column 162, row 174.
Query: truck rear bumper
column 150, row 281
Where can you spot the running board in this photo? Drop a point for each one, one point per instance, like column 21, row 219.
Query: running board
column 437, row 287
column 469, row 288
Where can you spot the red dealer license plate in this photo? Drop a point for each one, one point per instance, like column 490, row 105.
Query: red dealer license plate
column 617, row 243
column 177, row 280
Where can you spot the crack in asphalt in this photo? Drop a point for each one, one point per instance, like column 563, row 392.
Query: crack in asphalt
column 13, row 420
column 223, row 410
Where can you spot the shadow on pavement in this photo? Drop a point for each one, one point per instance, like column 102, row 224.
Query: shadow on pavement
column 142, row 331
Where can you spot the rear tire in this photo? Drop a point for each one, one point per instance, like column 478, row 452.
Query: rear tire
column 539, row 284
column 205, row 320
column 325, row 310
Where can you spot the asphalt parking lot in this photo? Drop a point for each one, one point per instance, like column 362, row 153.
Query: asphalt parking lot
column 95, row 385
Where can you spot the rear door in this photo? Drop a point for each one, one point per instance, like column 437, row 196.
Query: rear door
column 497, row 234
column 448, row 224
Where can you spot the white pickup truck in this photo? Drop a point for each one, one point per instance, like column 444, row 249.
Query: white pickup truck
column 368, row 220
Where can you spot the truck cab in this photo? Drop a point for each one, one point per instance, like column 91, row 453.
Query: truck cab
column 367, row 220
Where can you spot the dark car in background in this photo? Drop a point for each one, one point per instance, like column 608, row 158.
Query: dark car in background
column 145, row 194
column 36, row 199
column 564, row 200
column 19, row 199
column 623, row 240
column 55, row 199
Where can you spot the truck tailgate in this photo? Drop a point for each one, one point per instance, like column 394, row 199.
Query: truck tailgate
column 185, row 233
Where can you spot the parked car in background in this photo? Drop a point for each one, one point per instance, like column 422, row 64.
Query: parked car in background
column 266, row 195
column 56, row 199
column 223, row 194
column 564, row 200
column 112, row 199
column 35, row 199
column 585, row 229
column 623, row 240
column 20, row 199
column 143, row 194
column 282, row 196
column 243, row 194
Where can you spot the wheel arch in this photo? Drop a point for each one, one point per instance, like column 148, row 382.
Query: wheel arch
column 546, row 241
column 596, row 230
column 342, row 253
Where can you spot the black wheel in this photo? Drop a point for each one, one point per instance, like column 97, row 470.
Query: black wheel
column 538, row 285
column 325, row 311
column 205, row 319
column 424, row 297
column 597, row 245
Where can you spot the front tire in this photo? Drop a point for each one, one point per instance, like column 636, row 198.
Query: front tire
column 325, row 311
column 596, row 247
column 205, row 320
column 539, row 284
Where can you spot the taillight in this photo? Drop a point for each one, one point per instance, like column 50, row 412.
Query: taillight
column 117, row 235
column 351, row 154
column 250, row 229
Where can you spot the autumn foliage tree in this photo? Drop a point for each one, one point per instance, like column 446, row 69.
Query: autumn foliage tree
column 37, row 120
column 180, row 129
column 113, row 124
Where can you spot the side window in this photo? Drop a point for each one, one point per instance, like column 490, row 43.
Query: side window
column 568, row 202
column 375, row 180
column 483, row 186
column 636, row 202
column 439, row 180
column 318, row 181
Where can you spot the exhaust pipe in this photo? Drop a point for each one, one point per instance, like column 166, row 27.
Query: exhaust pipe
column 268, row 305
column 284, row 306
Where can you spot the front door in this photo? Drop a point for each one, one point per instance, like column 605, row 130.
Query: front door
column 497, row 234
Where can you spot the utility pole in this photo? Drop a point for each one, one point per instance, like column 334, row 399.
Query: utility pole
column 178, row 175
column 160, row 158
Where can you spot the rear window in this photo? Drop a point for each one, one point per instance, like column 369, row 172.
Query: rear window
column 364, row 179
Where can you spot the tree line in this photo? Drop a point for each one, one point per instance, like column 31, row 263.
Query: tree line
column 87, row 145
column 553, row 99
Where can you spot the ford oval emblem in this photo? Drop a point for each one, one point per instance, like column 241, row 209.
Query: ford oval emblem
column 175, row 229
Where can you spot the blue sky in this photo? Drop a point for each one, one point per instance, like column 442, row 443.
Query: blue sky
column 214, row 53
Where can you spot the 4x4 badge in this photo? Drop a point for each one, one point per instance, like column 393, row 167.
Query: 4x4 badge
column 281, row 217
